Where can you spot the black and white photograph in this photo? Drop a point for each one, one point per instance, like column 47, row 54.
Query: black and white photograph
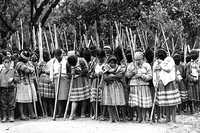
column 99, row 66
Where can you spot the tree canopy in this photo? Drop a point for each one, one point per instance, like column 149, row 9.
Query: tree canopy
column 178, row 18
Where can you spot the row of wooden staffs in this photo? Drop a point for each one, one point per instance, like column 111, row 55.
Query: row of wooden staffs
column 119, row 41
column 124, row 39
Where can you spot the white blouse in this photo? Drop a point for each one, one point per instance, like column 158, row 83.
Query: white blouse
column 168, row 72
column 55, row 67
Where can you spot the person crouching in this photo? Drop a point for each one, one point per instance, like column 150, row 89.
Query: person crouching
column 8, row 77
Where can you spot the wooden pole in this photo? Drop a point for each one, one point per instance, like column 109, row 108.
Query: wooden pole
column 22, row 35
column 120, row 42
column 55, row 37
column 18, row 40
column 155, row 94
column 70, row 88
column 40, row 43
column 52, row 41
column 57, row 93
column 74, row 40
column 97, row 36
column 34, row 39
column 66, row 41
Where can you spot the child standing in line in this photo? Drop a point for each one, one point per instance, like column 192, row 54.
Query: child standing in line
column 8, row 77
column 113, row 91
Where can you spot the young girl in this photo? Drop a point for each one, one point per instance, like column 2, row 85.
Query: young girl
column 46, row 87
column 192, row 81
column 96, row 77
column 113, row 91
column 180, row 76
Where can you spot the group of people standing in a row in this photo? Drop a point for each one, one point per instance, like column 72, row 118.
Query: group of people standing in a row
column 105, row 84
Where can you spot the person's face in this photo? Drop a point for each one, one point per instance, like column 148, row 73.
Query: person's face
column 112, row 64
column 58, row 57
column 6, row 64
column 139, row 62
column 107, row 52
column 101, row 60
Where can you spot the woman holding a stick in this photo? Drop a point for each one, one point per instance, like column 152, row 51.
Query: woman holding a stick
column 26, row 92
column 140, row 95
column 180, row 76
column 80, row 91
column 168, row 95
column 192, row 81
column 45, row 87
column 60, row 62
column 95, row 95
column 113, row 90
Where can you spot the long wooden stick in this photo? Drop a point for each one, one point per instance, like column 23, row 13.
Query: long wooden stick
column 34, row 39
column 68, row 100
column 120, row 42
column 129, row 42
column 133, row 42
column 33, row 99
column 18, row 41
column 155, row 94
column 57, row 93
column 52, row 41
column 39, row 96
column 40, row 44
column 185, row 53
column 75, row 40
column 22, row 35
column 173, row 47
column 97, row 36
column 66, row 41
column 55, row 37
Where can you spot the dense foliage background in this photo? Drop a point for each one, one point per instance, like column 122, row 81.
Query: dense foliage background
column 179, row 19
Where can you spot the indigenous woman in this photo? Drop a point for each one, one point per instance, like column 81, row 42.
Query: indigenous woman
column 58, row 65
column 80, row 90
column 95, row 95
column 122, row 62
column 192, row 81
column 180, row 76
column 113, row 91
column 140, row 95
column 168, row 95
column 46, row 88
column 26, row 92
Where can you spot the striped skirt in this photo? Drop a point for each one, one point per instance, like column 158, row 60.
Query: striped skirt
column 113, row 94
column 93, row 91
column 63, row 89
column 45, row 88
column 183, row 91
column 26, row 93
column 140, row 96
column 168, row 95
column 193, row 91
column 80, row 90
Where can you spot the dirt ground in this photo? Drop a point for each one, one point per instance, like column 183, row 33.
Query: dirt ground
column 185, row 124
